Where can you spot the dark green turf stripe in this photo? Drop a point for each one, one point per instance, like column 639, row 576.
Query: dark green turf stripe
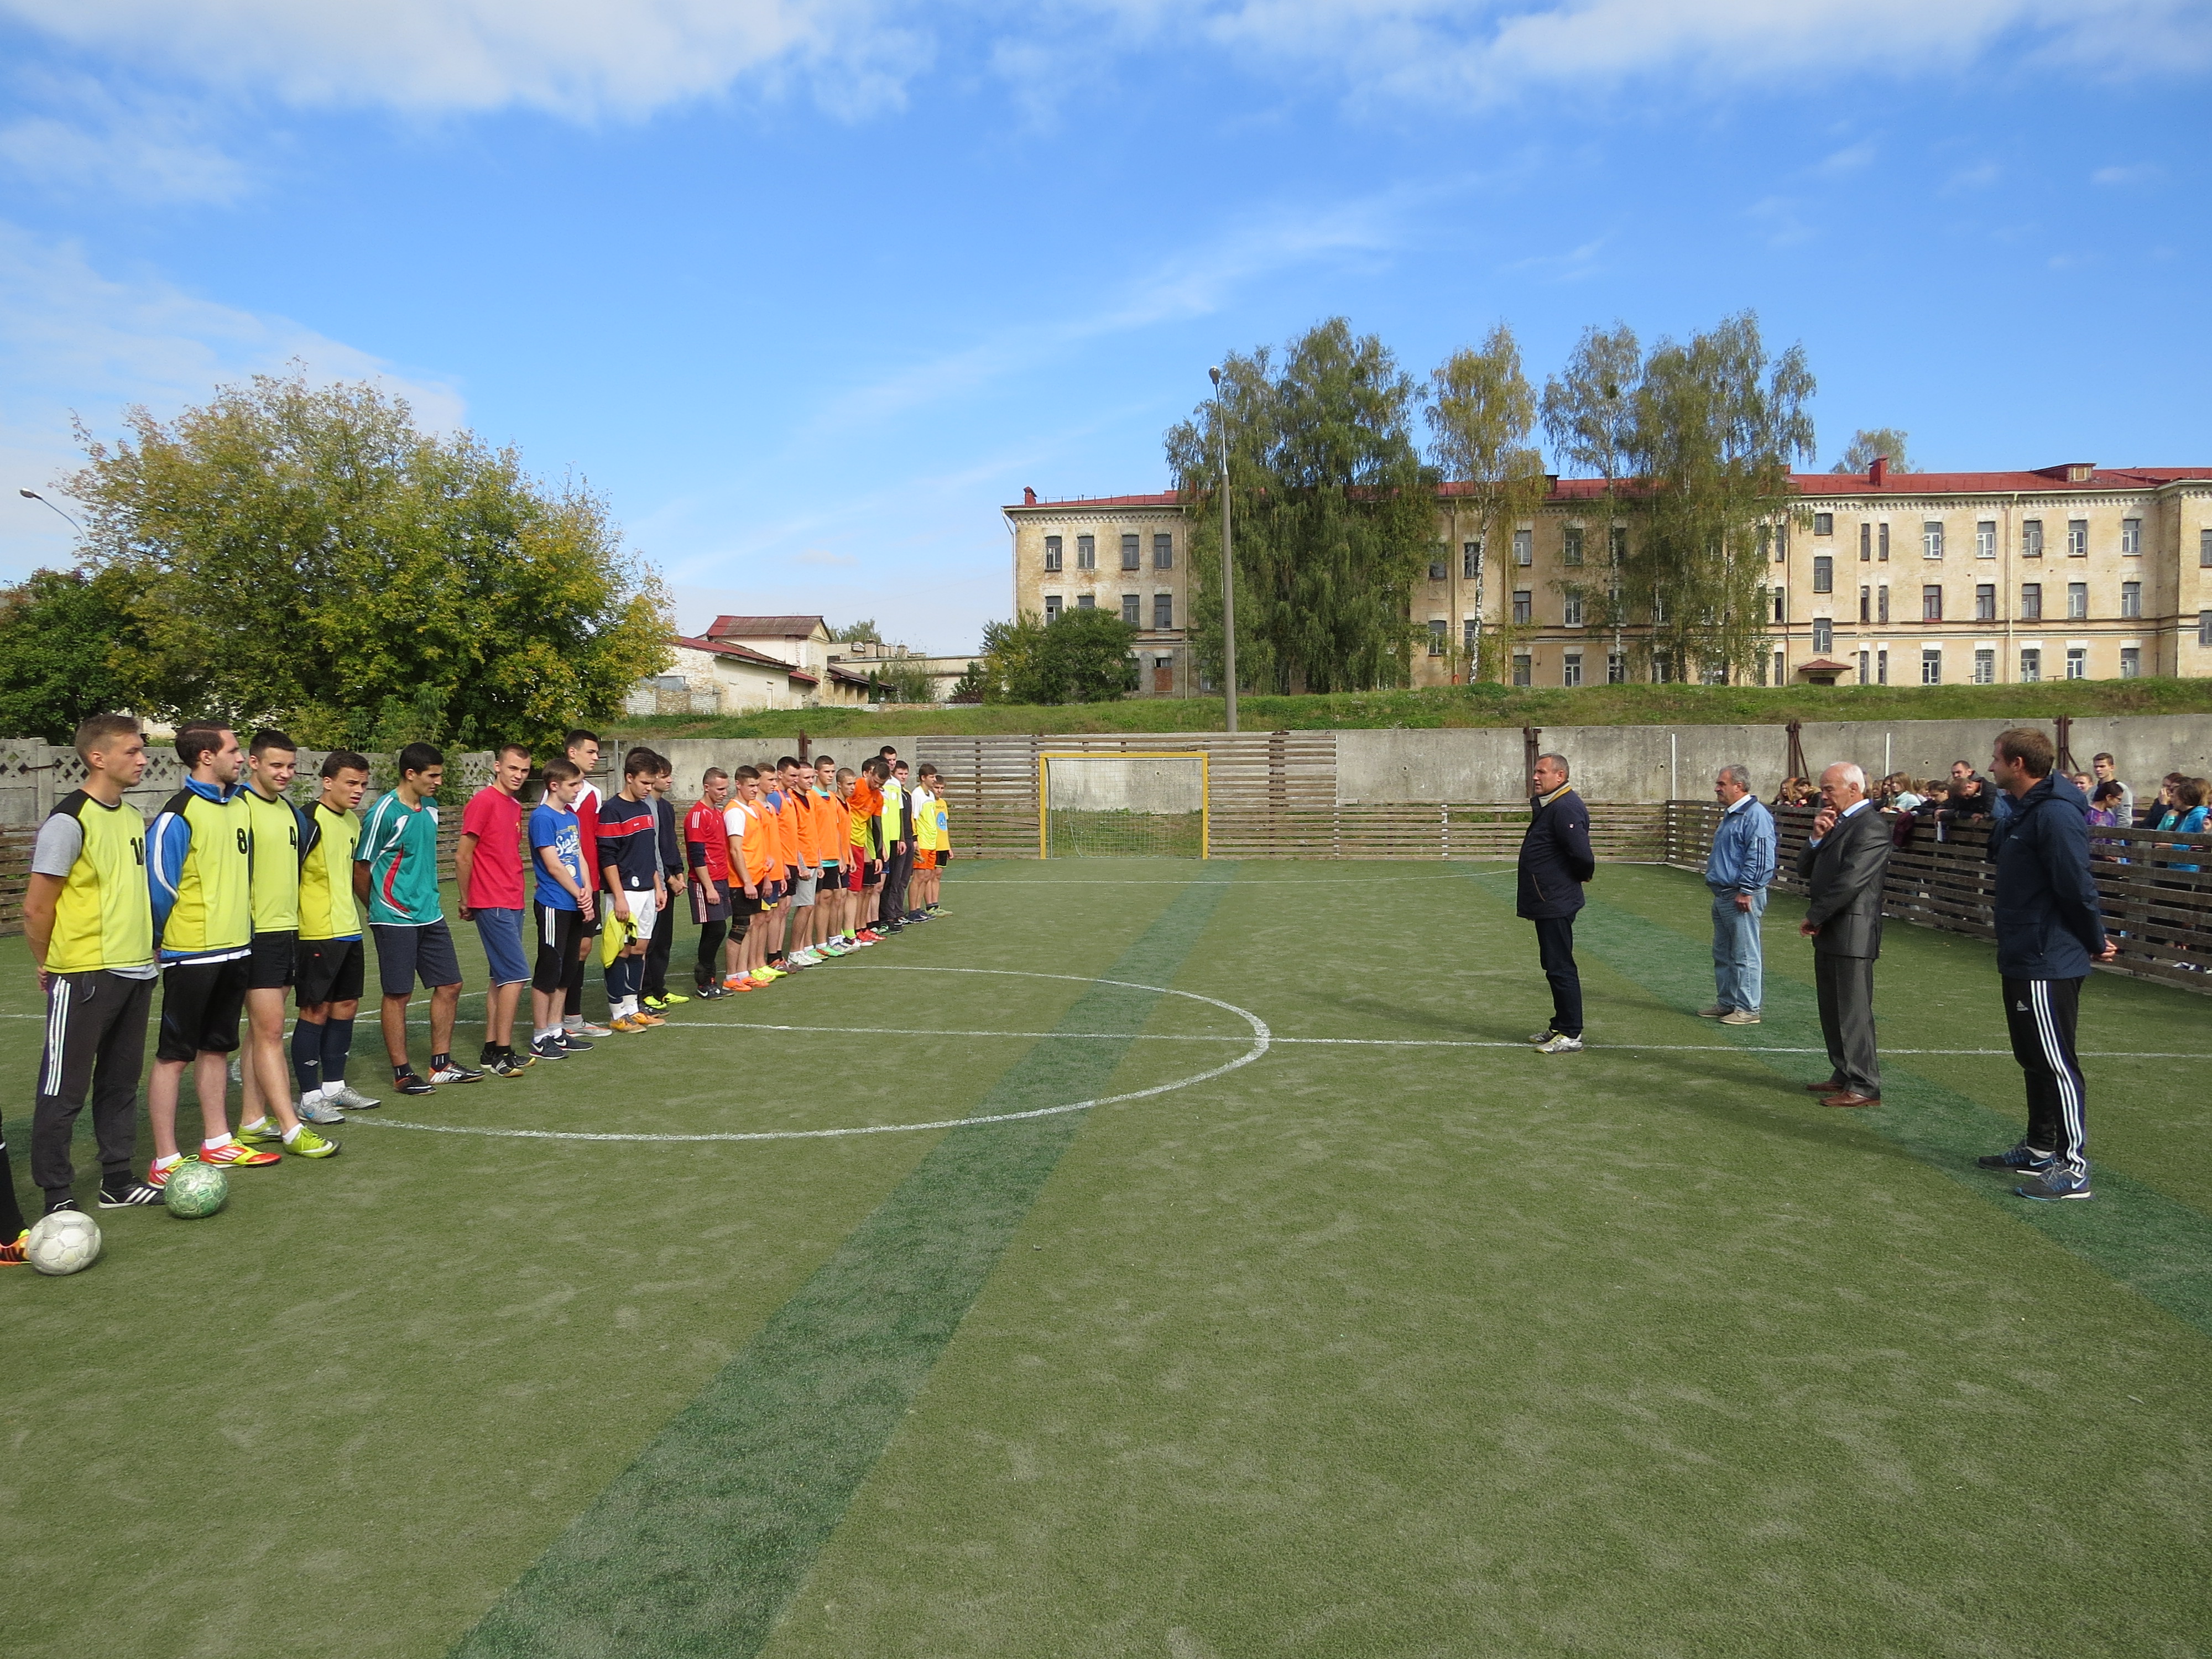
column 696, row 1548
column 2155, row 1245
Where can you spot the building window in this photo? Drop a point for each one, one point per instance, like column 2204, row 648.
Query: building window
column 1086, row 601
column 2077, row 538
column 1524, row 604
column 1882, row 604
column 1662, row 669
column 1985, row 602
column 1571, row 669
column 1162, row 612
column 1524, row 668
column 1437, row 635
column 1163, row 552
column 1129, row 560
column 2031, row 601
column 1617, row 543
column 1052, row 552
column 2131, row 535
column 1985, row 666
column 1931, row 604
column 2204, row 628
column 2077, row 601
column 2031, row 539
column 1882, row 544
column 1570, row 610
column 1824, row 636
column 2204, row 548
column 1437, row 571
column 2077, row 663
column 1866, row 668
column 1616, row 662
column 1931, row 540
column 2031, row 664
column 1470, row 559
column 1931, row 666
column 1985, row 539
column 1781, row 595
column 1132, row 610
column 1824, row 573
column 1866, row 543
column 1866, row 604
column 1780, row 672
column 1824, row 524
column 1524, row 548
column 1052, row 607
column 1086, row 553
column 1881, row 668
column 1570, row 545
column 2130, row 662
column 2132, row 598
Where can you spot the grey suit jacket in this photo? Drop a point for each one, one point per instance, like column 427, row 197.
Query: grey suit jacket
column 1843, row 877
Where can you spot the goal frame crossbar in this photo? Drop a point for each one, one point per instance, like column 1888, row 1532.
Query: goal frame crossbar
column 1045, row 756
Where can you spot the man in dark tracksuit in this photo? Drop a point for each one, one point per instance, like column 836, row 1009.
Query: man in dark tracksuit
column 1555, row 862
column 2049, row 929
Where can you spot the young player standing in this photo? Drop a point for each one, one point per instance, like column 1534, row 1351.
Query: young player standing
column 487, row 869
column 396, row 875
column 331, row 966
column 271, row 760
column 658, row 997
column 898, row 848
column 866, row 803
column 832, row 834
column 806, row 861
column 629, row 861
column 935, row 826
column 583, row 751
column 199, row 865
column 753, row 868
column 90, row 924
column 562, row 903
column 707, row 852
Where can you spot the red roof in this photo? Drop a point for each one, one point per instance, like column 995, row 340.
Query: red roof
column 1164, row 498
column 741, row 653
column 764, row 628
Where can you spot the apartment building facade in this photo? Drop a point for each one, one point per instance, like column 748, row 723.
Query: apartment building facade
column 2067, row 572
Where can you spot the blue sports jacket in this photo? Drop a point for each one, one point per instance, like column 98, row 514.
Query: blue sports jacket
column 2048, row 922
column 1743, row 850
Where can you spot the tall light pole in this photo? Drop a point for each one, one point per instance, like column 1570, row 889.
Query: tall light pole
column 34, row 495
column 1228, row 569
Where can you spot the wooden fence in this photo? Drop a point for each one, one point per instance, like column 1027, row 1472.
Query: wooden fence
column 2152, row 888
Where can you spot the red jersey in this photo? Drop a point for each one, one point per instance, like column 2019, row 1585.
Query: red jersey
column 494, row 818
column 586, row 809
column 705, row 842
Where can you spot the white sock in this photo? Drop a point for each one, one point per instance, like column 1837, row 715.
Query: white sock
column 261, row 1122
column 210, row 1145
column 293, row 1133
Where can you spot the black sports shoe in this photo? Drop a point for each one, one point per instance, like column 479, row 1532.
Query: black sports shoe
column 501, row 1066
column 571, row 1044
column 131, row 1193
column 56, row 1206
column 411, row 1083
column 2022, row 1157
column 548, row 1049
column 453, row 1071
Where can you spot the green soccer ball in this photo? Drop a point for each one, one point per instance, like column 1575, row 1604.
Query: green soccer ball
column 195, row 1189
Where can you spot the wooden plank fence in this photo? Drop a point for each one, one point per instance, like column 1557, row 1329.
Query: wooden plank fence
column 2155, row 904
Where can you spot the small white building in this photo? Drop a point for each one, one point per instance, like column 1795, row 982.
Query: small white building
column 719, row 677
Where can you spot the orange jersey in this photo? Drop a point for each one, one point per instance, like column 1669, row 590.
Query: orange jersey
column 861, row 809
column 801, row 803
column 786, row 820
column 833, row 829
column 756, row 838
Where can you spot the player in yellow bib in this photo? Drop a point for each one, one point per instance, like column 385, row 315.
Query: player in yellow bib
column 330, row 969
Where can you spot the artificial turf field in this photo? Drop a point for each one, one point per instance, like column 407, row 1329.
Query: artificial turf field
column 1396, row 1339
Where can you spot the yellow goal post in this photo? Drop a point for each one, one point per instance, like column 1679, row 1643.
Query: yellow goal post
column 1124, row 803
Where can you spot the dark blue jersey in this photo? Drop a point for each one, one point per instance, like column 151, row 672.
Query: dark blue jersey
column 629, row 840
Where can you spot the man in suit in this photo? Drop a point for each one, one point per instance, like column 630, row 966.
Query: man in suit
column 1843, row 865
column 1555, row 861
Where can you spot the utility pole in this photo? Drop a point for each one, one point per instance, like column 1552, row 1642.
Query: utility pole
column 1228, row 569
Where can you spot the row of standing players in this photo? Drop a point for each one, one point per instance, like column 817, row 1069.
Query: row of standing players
column 197, row 903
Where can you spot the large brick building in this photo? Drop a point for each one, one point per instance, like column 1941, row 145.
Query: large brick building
column 2074, row 571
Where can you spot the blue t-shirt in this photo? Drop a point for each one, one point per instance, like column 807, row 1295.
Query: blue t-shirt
column 551, row 827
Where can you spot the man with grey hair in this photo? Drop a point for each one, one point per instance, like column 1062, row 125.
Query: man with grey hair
column 1738, row 870
column 1555, row 861
column 1843, row 865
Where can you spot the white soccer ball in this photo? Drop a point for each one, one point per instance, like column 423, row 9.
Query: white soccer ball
column 66, row 1242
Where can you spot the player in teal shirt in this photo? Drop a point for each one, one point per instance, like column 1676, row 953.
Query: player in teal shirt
column 399, row 844
column 396, row 875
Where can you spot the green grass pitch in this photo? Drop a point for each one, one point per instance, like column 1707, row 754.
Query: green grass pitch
column 1392, row 1338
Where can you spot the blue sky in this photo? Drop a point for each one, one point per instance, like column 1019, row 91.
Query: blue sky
column 808, row 291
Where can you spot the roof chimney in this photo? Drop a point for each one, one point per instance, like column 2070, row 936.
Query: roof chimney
column 1028, row 496
column 1878, row 472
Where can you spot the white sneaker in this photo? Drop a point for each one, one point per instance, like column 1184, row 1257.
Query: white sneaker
column 347, row 1096
column 1561, row 1045
column 1542, row 1036
column 313, row 1109
column 586, row 1029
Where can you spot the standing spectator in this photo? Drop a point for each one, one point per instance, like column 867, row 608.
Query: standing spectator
column 2049, row 931
column 1738, row 868
column 1843, row 865
column 1555, row 861
column 2107, row 771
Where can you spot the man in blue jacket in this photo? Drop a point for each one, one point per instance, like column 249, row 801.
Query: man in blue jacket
column 2049, row 929
column 1555, row 862
column 1738, row 868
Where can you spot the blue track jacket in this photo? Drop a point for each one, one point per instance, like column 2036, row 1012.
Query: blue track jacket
column 2048, row 922
column 1743, row 851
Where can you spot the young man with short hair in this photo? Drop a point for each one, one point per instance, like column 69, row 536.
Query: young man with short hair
column 866, row 804
column 487, row 869
column 582, row 749
column 332, row 962
column 562, row 903
column 89, row 922
column 2107, row 771
column 199, row 865
column 707, row 854
column 271, row 760
column 753, row 863
column 396, row 875
column 832, row 834
column 898, row 848
column 629, row 862
column 805, row 861
column 658, row 998
column 939, row 826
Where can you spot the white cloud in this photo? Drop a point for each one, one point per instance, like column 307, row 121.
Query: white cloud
column 1852, row 158
column 73, row 134
column 2121, row 176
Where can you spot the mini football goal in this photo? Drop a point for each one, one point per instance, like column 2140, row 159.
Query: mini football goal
column 1128, row 804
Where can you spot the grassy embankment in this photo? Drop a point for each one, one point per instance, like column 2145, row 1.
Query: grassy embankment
column 1481, row 705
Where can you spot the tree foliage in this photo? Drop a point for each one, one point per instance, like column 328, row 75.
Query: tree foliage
column 1866, row 447
column 306, row 555
column 67, row 642
column 862, row 632
column 1334, row 513
column 1480, row 412
column 1080, row 656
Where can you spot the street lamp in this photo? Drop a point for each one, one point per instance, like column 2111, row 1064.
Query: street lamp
column 1228, row 570
column 34, row 495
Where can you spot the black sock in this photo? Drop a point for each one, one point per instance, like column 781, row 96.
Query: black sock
column 402, row 1072
column 439, row 1062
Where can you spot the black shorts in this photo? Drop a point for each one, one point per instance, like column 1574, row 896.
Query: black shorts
column 329, row 970
column 404, row 953
column 201, row 1002
column 556, row 930
column 701, row 912
column 269, row 966
column 871, row 874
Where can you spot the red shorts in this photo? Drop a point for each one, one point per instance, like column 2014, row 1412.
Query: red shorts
column 853, row 875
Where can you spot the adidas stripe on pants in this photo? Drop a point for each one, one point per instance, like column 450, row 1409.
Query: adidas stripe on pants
column 96, row 1040
column 2041, row 1015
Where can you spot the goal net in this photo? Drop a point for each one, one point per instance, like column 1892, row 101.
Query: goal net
column 1149, row 805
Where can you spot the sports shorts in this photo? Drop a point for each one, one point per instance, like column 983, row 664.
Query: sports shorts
column 404, row 953
column 329, row 970
column 557, row 931
column 644, row 909
column 803, row 890
column 269, row 966
column 852, row 876
column 501, row 931
column 201, row 1002
column 871, row 874
column 703, row 912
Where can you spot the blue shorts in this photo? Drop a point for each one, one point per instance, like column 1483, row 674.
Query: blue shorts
column 403, row 952
column 501, row 933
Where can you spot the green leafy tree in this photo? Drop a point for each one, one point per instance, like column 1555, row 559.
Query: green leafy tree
column 1480, row 411
column 1080, row 656
column 70, row 643
column 1866, row 447
column 1588, row 415
column 970, row 688
column 859, row 633
column 1334, row 511
column 305, row 554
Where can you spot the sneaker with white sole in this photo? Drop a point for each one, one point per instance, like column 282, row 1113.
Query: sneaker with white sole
column 1561, row 1045
column 128, row 1193
column 585, row 1028
column 1543, row 1037
column 320, row 1110
column 453, row 1071
column 349, row 1096
column 546, row 1047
